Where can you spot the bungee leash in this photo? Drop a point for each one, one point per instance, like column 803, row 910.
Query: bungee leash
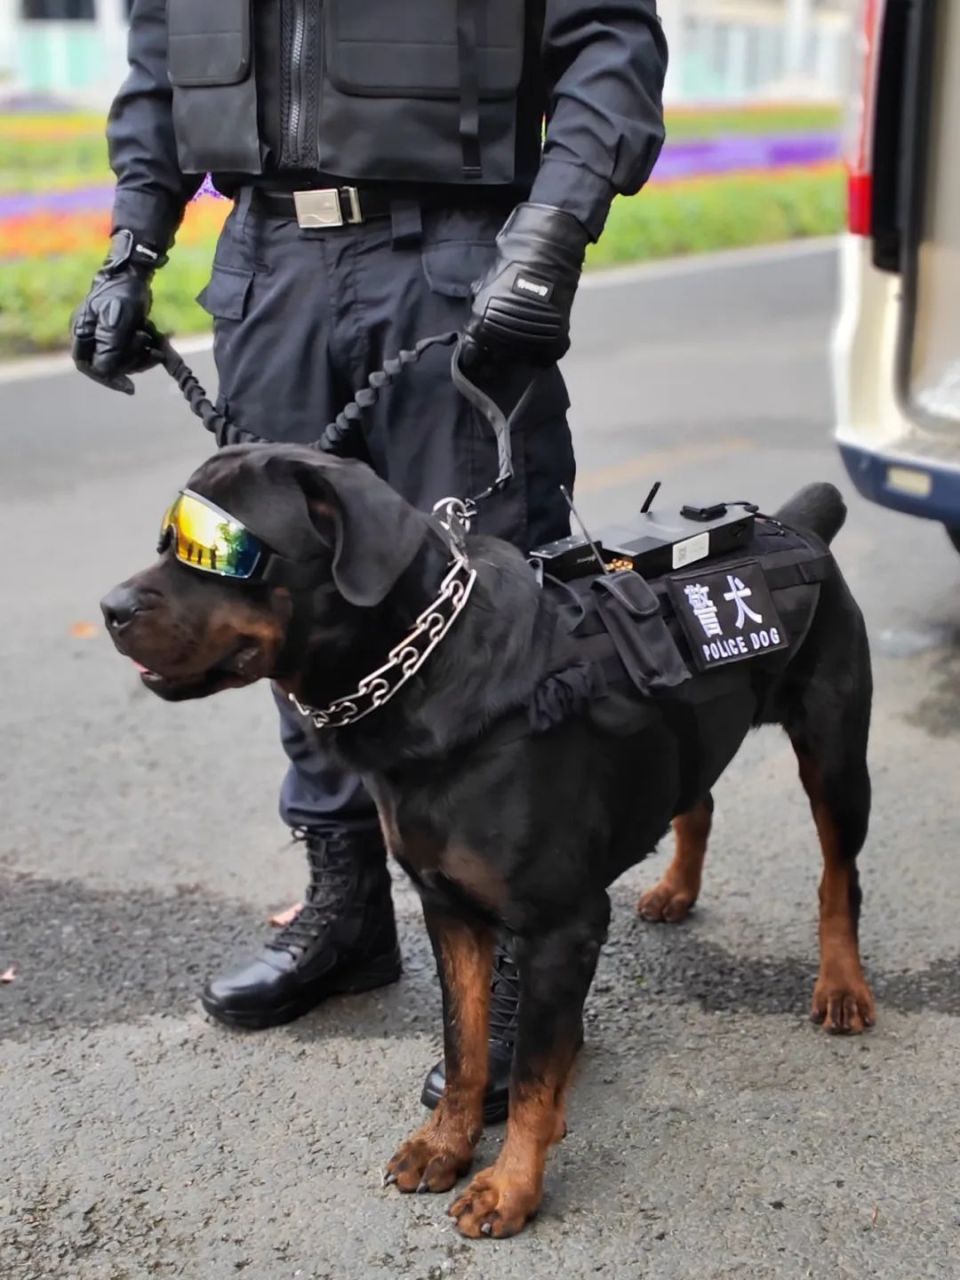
column 342, row 437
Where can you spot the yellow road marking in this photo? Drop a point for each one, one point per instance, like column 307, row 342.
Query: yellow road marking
column 652, row 465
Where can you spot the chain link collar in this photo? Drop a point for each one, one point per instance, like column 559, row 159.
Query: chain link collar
column 406, row 658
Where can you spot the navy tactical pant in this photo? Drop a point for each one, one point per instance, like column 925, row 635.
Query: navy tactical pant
column 301, row 318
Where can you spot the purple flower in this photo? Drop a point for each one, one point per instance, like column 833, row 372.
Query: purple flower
column 208, row 189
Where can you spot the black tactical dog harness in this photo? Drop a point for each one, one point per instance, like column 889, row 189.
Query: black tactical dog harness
column 670, row 639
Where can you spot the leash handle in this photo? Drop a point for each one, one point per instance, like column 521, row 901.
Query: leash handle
column 467, row 353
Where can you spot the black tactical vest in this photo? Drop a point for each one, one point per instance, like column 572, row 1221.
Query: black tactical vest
column 412, row 91
column 638, row 644
column 626, row 660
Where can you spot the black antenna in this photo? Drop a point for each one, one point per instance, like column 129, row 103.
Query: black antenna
column 649, row 499
column 583, row 528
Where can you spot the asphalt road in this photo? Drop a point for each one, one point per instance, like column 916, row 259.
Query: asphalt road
column 713, row 1132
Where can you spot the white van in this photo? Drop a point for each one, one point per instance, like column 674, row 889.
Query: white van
column 896, row 352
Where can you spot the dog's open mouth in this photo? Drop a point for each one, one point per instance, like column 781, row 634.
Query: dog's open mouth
column 242, row 666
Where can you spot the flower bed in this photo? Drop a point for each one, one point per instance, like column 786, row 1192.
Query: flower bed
column 55, row 193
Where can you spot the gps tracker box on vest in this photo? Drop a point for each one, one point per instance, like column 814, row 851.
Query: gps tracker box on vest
column 653, row 543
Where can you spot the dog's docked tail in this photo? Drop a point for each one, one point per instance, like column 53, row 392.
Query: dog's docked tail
column 817, row 508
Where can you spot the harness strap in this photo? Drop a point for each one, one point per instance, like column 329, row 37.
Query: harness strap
column 468, row 58
column 792, row 571
column 801, row 573
column 681, row 718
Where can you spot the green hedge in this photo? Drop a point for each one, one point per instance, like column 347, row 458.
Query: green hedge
column 699, row 123
column 37, row 296
column 39, row 163
column 721, row 213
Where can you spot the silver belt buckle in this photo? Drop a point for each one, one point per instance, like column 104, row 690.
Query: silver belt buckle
column 324, row 207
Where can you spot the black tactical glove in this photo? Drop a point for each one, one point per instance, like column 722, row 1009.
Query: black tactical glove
column 521, row 307
column 109, row 338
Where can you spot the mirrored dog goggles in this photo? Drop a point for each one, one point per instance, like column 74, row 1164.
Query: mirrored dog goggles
column 206, row 538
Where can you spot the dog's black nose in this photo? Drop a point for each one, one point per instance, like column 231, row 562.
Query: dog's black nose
column 120, row 606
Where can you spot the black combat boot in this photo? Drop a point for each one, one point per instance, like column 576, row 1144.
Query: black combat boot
column 504, row 1003
column 343, row 939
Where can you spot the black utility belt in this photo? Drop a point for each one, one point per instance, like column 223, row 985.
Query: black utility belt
column 319, row 208
column 324, row 208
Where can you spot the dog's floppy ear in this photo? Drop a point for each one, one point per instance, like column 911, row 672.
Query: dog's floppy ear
column 376, row 532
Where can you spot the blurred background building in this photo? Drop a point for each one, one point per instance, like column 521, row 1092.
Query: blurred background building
column 721, row 50
column 742, row 50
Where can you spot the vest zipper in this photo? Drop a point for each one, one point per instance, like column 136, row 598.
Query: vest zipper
column 298, row 42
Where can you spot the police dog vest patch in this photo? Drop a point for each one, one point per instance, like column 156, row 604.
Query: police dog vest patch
column 727, row 615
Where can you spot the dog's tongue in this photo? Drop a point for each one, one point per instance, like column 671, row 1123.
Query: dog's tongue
column 144, row 671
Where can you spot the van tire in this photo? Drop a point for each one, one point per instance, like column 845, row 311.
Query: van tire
column 953, row 535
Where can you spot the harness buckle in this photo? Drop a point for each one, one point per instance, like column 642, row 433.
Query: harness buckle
column 327, row 207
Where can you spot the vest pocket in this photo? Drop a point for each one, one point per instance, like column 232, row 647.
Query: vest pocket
column 421, row 91
column 208, row 43
column 210, row 64
column 419, row 54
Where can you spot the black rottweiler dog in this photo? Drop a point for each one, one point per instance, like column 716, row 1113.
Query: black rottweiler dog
column 501, row 827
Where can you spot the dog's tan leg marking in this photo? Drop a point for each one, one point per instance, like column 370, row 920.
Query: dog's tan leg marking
column 441, row 1150
column 842, row 1000
column 673, row 896
column 501, row 1200
column 556, row 969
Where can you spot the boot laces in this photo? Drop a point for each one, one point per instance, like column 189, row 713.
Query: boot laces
column 332, row 876
column 504, row 997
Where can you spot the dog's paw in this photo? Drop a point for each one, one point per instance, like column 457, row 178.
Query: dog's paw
column 429, row 1161
column 665, row 902
column 495, row 1205
column 844, row 1005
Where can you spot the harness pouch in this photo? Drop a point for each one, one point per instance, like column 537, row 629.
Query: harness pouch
column 210, row 64
column 634, row 650
column 425, row 91
column 630, row 611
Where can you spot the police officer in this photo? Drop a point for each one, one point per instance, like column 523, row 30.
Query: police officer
column 391, row 178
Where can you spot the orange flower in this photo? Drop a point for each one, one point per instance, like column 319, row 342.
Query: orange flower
column 204, row 218
column 45, row 235
column 42, row 235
